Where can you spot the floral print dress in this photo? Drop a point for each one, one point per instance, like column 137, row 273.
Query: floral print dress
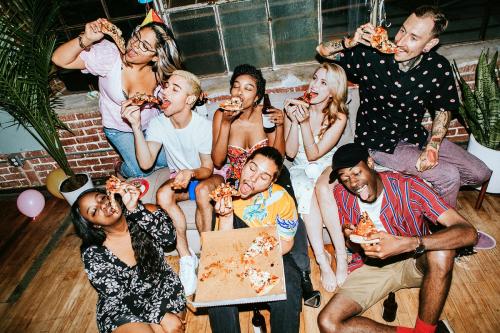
column 125, row 295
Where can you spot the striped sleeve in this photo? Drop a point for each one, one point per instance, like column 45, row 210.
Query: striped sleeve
column 429, row 202
column 341, row 199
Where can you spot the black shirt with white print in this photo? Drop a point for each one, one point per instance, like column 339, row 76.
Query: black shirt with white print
column 393, row 102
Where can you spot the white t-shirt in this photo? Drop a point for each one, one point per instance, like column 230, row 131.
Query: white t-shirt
column 373, row 210
column 183, row 146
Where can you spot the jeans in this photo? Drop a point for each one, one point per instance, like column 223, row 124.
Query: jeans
column 456, row 167
column 285, row 315
column 123, row 143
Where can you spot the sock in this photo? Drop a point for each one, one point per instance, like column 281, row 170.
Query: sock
column 401, row 329
column 423, row 327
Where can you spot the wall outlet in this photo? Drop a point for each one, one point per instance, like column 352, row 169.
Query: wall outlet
column 16, row 160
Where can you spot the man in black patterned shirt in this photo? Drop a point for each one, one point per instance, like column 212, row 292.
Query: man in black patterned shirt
column 395, row 92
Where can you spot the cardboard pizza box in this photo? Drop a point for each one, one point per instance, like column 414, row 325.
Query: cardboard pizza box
column 220, row 280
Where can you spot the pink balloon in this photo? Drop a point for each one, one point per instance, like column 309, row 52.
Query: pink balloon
column 30, row 203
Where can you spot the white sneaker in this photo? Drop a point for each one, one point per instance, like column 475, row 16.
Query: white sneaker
column 187, row 272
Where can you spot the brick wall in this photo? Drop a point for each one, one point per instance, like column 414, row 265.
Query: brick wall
column 89, row 151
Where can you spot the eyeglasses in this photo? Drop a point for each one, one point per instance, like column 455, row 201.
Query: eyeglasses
column 143, row 45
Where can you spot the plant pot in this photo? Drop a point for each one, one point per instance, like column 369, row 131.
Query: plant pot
column 73, row 186
column 491, row 158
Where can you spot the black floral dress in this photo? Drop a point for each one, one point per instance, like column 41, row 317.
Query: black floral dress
column 124, row 295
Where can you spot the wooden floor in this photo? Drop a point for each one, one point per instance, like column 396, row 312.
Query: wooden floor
column 43, row 287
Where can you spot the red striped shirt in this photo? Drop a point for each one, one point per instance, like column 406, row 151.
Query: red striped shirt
column 407, row 202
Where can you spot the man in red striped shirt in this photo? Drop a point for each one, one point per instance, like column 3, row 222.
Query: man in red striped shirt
column 401, row 253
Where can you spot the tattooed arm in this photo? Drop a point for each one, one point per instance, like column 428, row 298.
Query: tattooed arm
column 429, row 157
column 362, row 35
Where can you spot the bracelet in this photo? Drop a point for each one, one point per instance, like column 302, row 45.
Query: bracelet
column 80, row 42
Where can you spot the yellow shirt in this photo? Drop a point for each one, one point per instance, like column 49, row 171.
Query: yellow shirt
column 271, row 207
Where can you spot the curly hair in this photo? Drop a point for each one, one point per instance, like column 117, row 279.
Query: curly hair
column 246, row 69
column 337, row 83
column 166, row 49
column 149, row 260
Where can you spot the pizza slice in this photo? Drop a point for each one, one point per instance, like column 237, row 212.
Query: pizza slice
column 112, row 186
column 363, row 229
column 305, row 99
column 224, row 190
column 308, row 96
column 261, row 245
column 115, row 33
column 380, row 41
column 233, row 104
column 140, row 99
column 260, row 281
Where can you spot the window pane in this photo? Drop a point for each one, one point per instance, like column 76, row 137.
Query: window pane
column 81, row 12
column 196, row 35
column 342, row 17
column 295, row 30
column 125, row 8
column 246, row 33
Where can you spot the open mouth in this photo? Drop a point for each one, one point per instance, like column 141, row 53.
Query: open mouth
column 245, row 188
column 164, row 104
column 363, row 192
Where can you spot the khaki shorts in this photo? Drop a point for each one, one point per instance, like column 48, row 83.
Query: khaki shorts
column 371, row 282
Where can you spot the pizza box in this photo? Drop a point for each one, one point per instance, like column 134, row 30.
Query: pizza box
column 220, row 280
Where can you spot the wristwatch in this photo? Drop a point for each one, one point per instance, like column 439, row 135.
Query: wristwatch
column 420, row 249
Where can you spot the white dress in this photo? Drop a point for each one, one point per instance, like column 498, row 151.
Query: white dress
column 304, row 174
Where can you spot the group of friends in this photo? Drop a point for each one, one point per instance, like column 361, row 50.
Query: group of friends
column 328, row 184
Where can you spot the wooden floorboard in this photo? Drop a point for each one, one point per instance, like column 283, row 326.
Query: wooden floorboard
column 60, row 299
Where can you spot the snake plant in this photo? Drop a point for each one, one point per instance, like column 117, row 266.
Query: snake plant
column 27, row 41
column 480, row 108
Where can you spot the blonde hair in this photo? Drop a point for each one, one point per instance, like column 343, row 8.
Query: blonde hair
column 193, row 80
column 337, row 84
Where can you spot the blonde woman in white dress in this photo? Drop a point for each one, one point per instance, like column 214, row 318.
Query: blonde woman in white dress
column 312, row 131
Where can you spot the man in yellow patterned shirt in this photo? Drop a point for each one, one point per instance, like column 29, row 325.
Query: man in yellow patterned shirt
column 261, row 202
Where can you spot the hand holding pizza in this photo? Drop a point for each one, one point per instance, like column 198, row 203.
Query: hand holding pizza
column 132, row 113
column 302, row 113
column 290, row 109
column 388, row 245
column 93, row 31
column 224, row 206
column 130, row 195
column 363, row 35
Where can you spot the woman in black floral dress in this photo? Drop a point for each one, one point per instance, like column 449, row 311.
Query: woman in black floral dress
column 123, row 253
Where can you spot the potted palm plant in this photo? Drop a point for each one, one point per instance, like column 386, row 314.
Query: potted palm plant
column 480, row 110
column 27, row 41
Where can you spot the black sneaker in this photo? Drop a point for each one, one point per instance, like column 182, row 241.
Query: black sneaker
column 311, row 297
column 443, row 326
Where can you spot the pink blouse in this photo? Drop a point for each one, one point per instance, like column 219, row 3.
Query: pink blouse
column 103, row 60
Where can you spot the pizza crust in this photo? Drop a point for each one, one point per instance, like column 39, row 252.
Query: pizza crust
column 140, row 99
column 115, row 33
